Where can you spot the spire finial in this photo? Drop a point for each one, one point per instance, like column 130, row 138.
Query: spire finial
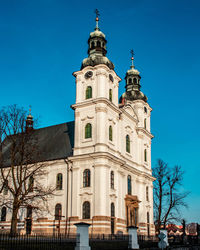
column 97, row 19
column 132, row 58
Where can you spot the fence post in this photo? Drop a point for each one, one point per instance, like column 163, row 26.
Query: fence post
column 133, row 240
column 164, row 231
column 82, row 231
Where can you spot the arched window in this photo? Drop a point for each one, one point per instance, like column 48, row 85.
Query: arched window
column 59, row 181
column 88, row 131
column 128, row 143
column 110, row 133
column 129, row 185
column 88, row 93
column 110, row 95
column 31, row 183
column 58, row 211
column 148, row 225
column 29, row 212
column 112, row 179
column 145, row 123
column 5, row 187
column 112, row 209
column 98, row 44
column 145, row 155
column 134, row 80
column 3, row 213
column 147, row 193
column 86, row 210
column 103, row 44
column 86, row 178
column 129, row 80
column 92, row 45
column 145, row 110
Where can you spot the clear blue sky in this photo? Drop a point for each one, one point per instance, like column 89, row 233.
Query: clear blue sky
column 43, row 41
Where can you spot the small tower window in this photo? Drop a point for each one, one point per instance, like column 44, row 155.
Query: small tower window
column 88, row 93
column 110, row 133
column 92, row 45
column 86, row 178
column 86, row 210
column 145, row 123
column 145, row 110
column 145, row 155
column 58, row 211
column 112, row 208
column 59, row 181
column 112, row 179
column 110, row 95
column 129, row 185
column 88, row 131
column 98, row 44
column 147, row 193
column 103, row 44
column 3, row 213
column 128, row 143
column 134, row 80
column 129, row 80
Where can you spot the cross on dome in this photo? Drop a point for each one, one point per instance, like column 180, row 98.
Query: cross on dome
column 97, row 18
column 132, row 58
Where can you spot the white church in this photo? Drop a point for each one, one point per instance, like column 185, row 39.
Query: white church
column 100, row 162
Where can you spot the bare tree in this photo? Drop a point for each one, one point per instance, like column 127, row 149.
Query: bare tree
column 20, row 165
column 168, row 199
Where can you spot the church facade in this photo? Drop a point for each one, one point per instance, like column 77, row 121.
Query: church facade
column 101, row 162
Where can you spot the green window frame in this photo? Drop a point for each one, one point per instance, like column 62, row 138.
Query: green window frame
column 88, row 93
column 86, row 210
column 127, row 143
column 59, row 181
column 110, row 95
column 88, row 131
column 110, row 133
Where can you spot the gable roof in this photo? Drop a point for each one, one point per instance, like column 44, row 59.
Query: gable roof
column 53, row 142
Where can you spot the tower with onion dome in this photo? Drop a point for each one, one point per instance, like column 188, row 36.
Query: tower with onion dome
column 110, row 178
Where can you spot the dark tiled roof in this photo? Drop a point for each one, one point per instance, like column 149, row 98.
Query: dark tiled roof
column 54, row 142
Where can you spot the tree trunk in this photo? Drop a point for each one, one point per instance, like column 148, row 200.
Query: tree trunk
column 13, row 230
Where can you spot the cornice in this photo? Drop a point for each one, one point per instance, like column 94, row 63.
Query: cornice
column 143, row 130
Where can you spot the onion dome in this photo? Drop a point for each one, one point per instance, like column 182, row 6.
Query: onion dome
column 97, row 48
column 133, row 84
column 29, row 121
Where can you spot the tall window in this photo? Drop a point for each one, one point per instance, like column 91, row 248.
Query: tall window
column 31, row 183
column 128, row 143
column 145, row 155
column 88, row 131
column 110, row 95
column 112, row 209
column 88, row 93
column 29, row 212
column 134, row 80
column 129, row 80
column 86, row 178
column 145, row 123
column 3, row 213
column 110, row 133
column 98, row 44
column 86, row 210
column 147, row 193
column 148, row 225
column 5, row 188
column 59, row 181
column 112, row 179
column 58, row 211
column 129, row 185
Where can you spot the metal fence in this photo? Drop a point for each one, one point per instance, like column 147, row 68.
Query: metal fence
column 39, row 242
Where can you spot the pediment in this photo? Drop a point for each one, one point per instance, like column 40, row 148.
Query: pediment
column 129, row 109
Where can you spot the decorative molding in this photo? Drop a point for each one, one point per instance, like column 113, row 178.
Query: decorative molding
column 87, row 117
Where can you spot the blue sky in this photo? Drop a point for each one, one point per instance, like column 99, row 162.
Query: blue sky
column 43, row 42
